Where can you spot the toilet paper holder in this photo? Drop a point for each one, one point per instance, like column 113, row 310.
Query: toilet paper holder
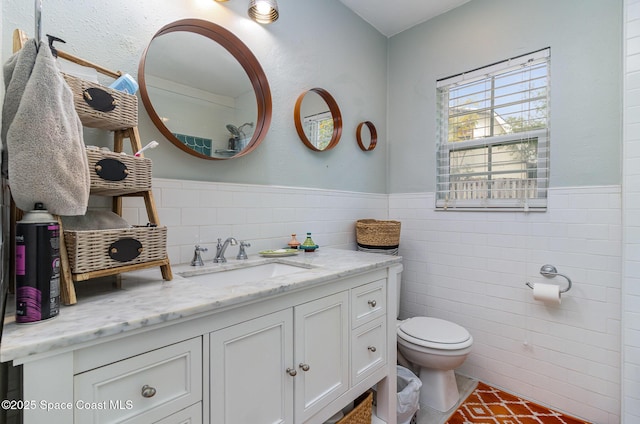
column 550, row 271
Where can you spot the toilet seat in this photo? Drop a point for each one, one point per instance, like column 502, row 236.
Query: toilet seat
column 435, row 333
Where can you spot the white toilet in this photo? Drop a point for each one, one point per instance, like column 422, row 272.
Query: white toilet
column 437, row 347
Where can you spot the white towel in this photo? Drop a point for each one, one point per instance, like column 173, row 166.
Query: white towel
column 46, row 155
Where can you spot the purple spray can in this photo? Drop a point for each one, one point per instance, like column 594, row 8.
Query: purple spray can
column 37, row 266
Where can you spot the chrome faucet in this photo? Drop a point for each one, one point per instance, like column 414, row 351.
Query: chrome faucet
column 197, row 259
column 221, row 248
column 242, row 254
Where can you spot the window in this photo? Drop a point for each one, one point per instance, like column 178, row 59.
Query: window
column 319, row 129
column 493, row 136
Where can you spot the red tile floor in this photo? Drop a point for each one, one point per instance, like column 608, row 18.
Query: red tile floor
column 488, row 405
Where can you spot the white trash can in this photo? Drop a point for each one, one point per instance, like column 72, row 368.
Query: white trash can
column 408, row 395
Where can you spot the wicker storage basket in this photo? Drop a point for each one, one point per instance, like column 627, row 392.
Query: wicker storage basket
column 94, row 250
column 374, row 234
column 115, row 174
column 124, row 114
column 361, row 414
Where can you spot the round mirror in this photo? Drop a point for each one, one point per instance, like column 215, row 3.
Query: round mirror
column 204, row 90
column 318, row 120
column 368, row 139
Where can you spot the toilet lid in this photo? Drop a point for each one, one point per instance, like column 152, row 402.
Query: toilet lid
column 435, row 330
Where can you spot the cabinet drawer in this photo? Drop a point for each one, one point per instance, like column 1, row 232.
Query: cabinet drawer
column 368, row 302
column 141, row 389
column 369, row 349
column 190, row 415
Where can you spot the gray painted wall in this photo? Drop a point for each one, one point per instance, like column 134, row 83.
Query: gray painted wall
column 323, row 44
column 586, row 79
column 313, row 44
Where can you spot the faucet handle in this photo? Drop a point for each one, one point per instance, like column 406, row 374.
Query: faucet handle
column 197, row 259
column 241, row 253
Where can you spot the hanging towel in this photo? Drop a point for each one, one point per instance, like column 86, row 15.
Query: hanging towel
column 42, row 134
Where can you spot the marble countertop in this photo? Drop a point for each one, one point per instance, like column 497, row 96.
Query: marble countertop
column 144, row 299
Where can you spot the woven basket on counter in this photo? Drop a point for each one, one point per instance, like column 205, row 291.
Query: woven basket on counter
column 94, row 250
column 375, row 234
column 120, row 112
column 361, row 413
column 115, row 174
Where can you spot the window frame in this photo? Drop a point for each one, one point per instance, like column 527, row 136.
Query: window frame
column 482, row 199
column 531, row 203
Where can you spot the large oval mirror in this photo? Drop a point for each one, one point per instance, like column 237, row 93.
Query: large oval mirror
column 204, row 90
column 318, row 120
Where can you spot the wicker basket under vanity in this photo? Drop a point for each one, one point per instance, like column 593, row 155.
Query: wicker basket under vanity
column 361, row 413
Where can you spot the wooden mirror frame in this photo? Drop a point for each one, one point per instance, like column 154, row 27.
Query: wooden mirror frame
column 373, row 133
column 243, row 55
column 335, row 114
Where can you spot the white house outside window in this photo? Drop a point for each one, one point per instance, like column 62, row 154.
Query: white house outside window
column 493, row 136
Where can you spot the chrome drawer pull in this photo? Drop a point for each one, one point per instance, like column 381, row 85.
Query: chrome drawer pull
column 305, row 367
column 292, row 372
column 372, row 303
column 372, row 348
column 148, row 391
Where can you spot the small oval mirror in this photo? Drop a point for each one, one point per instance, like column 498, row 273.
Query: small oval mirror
column 318, row 120
column 367, row 140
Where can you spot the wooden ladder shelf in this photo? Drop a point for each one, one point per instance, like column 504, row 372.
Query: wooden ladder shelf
column 67, row 278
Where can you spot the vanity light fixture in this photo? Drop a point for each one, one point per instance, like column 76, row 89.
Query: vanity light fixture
column 263, row 11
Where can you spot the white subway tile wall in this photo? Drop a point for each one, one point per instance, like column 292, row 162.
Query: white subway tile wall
column 471, row 268
column 201, row 212
column 468, row 267
column 631, row 217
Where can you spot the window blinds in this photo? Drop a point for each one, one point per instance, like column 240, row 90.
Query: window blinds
column 493, row 136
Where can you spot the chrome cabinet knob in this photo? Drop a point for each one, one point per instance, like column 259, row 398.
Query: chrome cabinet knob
column 292, row 372
column 305, row 367
column 372, row 348
column 372, row 303
column 148, row 391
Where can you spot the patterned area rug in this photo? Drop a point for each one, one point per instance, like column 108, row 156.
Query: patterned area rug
column 487, row 405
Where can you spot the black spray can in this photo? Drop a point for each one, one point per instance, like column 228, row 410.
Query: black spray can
column 37, row 266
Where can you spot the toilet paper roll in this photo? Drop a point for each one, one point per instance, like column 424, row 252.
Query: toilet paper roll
column 547, row 293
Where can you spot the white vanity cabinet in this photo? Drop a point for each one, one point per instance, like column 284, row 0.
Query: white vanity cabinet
column 288, row 366
column 292, row 357
column 283, row 367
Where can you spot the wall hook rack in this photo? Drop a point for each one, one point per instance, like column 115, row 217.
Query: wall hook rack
column 551, row 271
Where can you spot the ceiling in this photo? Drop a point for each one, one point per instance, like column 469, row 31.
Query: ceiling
column 391, row 17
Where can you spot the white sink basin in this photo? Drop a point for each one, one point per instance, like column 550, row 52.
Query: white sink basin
column 216, row 277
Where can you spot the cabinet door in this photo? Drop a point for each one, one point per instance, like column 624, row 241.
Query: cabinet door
column 321, row 353
column 249, row 381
